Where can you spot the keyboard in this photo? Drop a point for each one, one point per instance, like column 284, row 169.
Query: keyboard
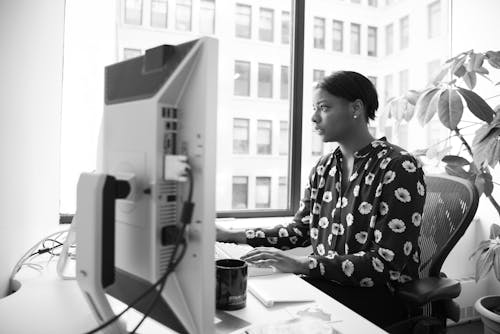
column 226, row 250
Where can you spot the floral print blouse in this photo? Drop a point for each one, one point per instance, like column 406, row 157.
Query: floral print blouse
column 369, row 235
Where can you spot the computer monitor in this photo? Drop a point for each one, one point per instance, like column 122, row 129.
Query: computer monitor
column 163, row 103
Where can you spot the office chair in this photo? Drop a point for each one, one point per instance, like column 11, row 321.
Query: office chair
column 450, row 206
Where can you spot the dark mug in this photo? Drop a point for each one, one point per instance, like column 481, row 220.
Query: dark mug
column 231, row 284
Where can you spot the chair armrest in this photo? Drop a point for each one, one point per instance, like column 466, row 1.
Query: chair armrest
column 429, row 289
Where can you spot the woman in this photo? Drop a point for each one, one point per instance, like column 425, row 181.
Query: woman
column 361, row 210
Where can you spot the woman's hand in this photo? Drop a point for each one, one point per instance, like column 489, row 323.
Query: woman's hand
column 269, row 256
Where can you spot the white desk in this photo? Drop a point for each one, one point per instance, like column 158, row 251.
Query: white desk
column 48, row 304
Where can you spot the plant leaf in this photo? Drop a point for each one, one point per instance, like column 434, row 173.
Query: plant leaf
column 459, row 72
column 496, row 263
column 470, row 79
column 458, row 66
column 422, row 104
column 438, row 77
column 488, row 150
column 477, row 105
column 450, row 108
column 458, row 171
column 483, row 245
column 484, row 263
column 493, row 58
column 455, row 160
column 412, row 96
column 484, row 184
column 494, row 231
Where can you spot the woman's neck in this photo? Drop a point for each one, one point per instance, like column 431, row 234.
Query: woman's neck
column 356, row 142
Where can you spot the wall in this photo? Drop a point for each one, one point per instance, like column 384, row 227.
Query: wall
column 31, row 40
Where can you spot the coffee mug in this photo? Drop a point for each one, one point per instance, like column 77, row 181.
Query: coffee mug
column 231, row 284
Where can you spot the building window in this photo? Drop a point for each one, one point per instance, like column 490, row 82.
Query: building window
column 355, row 39
column 207, row 17
column 319, row 33
column 404, row 30
column 318, row 75
column 282, row 192
column 356, row 1
column 285, row 27
column 338, row 35
column 389, row 87
column 243, row 21
column 403, row 81
column 372, row 41
column 240, row 135
column 316, row 144
column 433, row 68
column 133, row 12
column 183, row 15
column 284, row 138
column 264, row 137
column 265, row 88
column 240, row 192
column 373, row 3
column 374, row 81
column 389, row 39
column 433, row 14
column 241, row 78
column 284, row 87
column 266, row 24
column 131, row 53
column 159, row 13
column 263, row 192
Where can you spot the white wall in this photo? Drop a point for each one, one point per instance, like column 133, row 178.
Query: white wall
column 31, row 60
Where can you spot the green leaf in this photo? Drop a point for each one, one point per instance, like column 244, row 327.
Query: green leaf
column 484, row 263
column 477, row 105
column 437, row 79
column 496, row 263
column 485, row 129
column 450, row 108
column 458, row 66
column 483, row 245
column 484, row 184
column 458, row 171
column 488, row 150
column 459, row 72
column 422, row 104
column 470, row 79
column 455, row 160
column 493, row 58
column 494, row 231
column 412, row 96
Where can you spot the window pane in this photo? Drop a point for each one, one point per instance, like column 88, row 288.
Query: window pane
column 133, row 12
column 207, row 17
column 404, row 27
column 240, row 135
column 265, row 80
column 284, row 83
column 373, row 3
column 263, row 192
column 372, row 41
column 283, row 193
column 285, row 27
column 240, row 192
column 355, row 39
column 389, row 87
column 403, row 82
column 159, row 13
column 284, row 141
column 242, row 78
column 183, row 15
column 389, row 39
column 266, row 24
column 319, row 33
column 318, row 75
column 434, row 13
column 243, row 21
column 338, row 35
column 264, row 137
column 131, row 53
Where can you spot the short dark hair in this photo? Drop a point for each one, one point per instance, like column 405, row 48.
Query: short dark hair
column 352, row 86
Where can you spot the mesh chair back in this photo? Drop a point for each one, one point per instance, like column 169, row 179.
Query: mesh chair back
column 450, row 206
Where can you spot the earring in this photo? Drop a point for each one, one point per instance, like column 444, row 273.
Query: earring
column 355, row 116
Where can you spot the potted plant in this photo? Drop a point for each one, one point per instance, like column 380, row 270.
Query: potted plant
column 446, row 97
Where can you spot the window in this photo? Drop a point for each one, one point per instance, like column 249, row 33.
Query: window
column 266, row 24
column 356, row 1
column 285, row 27
column 355, row 39
column 403, row 82
column 265, row 88
column 263, row 192
column 338, row 35
column 389, row 39
column 264, row 137
column 242, row 78
column 159, row 13
column 372, row 41
column 243, row 21
column 319, row 33
column 389, row 87
column 133, row 12
column 283, row 137
column 183, row 15
column 433, row 14
column 433, row 68
column 404, row 30
column 207, row 17
column 282, row 192
column 240, row 192
column 373, row 3
column 318, row 75
column 373, row 80
column 316, row 144
column 284, row 87
column 131, row 53
column 240, row 135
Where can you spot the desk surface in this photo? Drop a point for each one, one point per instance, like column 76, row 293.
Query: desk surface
column 45, row 302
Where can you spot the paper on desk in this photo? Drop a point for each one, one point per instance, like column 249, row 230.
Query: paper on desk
column 312, row 311
column 296, row 326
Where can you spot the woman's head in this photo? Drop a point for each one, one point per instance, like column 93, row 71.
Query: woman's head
column 343, row 102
